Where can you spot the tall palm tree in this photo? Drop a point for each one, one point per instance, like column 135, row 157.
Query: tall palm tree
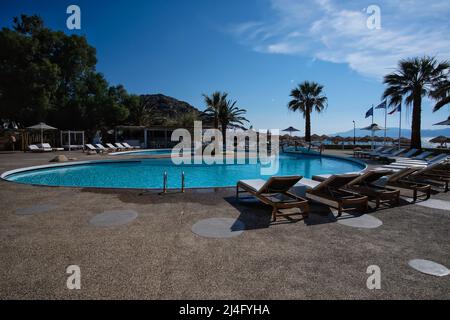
column 414, row 79
column 214, row 103
column 441, row 94
column 230, row 115
column 307, row 97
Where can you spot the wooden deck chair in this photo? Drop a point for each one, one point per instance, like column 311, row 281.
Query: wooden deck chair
column 275, row 193
column 332, row 192
column 364, row 184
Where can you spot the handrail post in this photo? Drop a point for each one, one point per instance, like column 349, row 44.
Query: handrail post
column 165, row 182
column 182, row 182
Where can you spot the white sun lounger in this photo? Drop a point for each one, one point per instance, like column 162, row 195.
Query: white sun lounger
column 130, row 147
column 35, row 148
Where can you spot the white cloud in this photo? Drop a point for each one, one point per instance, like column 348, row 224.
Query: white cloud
column 332, row 31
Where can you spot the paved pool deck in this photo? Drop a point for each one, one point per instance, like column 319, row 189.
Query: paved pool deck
column 157, row 256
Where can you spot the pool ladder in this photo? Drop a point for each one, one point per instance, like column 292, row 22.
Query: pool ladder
column 165, row 182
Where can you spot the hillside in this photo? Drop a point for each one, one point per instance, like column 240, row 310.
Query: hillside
column 168, row 106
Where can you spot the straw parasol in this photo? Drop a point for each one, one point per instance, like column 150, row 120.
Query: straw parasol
column 315, row 137
column 441, row 139
column 364, row 139
column 42, row 127
column 373, row 127
column 443, row 123
column 290, row 130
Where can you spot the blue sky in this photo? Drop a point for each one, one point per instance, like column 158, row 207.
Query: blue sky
column 257, row 50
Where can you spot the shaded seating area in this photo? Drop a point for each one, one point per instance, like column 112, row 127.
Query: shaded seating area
column 275, row 193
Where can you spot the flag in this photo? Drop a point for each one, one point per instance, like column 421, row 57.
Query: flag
column 369, row 113
column 399, row 109
column 382, row 105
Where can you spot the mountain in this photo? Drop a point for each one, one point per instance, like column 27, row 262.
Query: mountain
column 166, row 110
column 393, row 133
column 168, row 106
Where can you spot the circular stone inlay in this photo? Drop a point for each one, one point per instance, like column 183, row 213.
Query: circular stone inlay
column 429, row 267
column 365, row 221
column 37, row 209
column 113, row 218
column 218, row 228
column 435, row 204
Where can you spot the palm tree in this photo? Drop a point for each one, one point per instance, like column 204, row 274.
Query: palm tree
column 441, row 94
column 214, row 103
column 307, row 97
column 414, row 79
column 230, row 116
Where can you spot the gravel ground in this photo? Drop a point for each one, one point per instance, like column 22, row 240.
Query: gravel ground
column 156, row 256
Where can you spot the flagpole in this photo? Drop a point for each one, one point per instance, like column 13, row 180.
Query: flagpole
column 385, row 123
column 400, row 129
column 373, row 112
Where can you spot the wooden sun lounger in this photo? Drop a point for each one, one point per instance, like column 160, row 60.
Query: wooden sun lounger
column 275, row 193
column 364, row 184
column 401, row 180
column 332, row 192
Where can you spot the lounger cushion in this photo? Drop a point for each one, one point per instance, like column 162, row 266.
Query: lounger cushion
column 308, row 183
column 254, row 185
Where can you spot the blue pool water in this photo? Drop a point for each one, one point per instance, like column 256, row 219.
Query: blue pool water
column 148, row 173
column 147, row 152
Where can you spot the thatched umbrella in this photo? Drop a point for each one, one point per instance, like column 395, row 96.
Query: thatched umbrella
column 365, row 139
column 290, row 130
column 324, row 137
column 441, row 139
column 443, row 123
column 373, row 127
column 315, row 137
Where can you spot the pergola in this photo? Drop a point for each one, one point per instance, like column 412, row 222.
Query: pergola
column 72, row 137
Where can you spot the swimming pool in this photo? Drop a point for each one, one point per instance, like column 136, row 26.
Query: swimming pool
column 148, row 173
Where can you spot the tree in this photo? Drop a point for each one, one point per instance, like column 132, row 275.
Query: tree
column 307, row 97
column 414, row 79
column 441, row 94
column 230, row 115
column 214, row 104
column 49, row 76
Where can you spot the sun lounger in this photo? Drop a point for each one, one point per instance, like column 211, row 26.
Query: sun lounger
column 331, row 192
column 120, row 146
column 436, row 159
column 275, row 193
column 373, row 152
column 433, row 173
column 35, row 148
column 364, row 184
column 102, row 147
column 90, row 147
column 401, row 179
column 47, row 146
column 111, row 147
column 407, row 155
column 130, row 147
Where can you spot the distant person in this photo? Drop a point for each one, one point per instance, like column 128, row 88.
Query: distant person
column 12, row 140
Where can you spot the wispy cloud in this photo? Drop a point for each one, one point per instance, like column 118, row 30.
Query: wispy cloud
column 337, row 31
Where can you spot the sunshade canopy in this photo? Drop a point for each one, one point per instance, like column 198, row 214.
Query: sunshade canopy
column 443, row 123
